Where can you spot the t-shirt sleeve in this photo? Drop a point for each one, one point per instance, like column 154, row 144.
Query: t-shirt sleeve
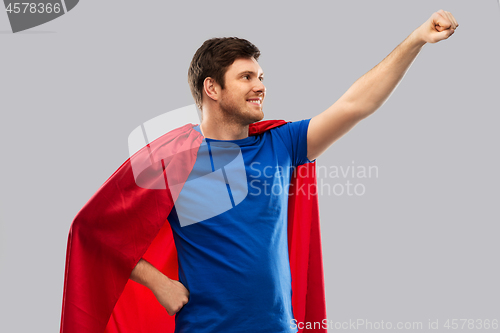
column 294, row 136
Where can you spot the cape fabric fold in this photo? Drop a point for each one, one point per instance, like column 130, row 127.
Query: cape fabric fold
column 126, row 220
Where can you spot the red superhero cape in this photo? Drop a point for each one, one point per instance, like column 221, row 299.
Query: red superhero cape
column 124, row 222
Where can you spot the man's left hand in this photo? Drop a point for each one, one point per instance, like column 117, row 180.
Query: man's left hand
column 439, row 26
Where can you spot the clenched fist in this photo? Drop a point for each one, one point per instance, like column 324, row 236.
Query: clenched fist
column 439, row 26
column 172, row 295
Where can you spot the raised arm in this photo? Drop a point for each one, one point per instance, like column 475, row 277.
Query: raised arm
column 371, row 90
column 171, row 294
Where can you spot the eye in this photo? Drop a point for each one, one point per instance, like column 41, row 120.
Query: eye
column 246, row 76
column 261, row 78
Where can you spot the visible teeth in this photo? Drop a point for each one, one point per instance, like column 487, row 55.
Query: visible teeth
column 255, row 101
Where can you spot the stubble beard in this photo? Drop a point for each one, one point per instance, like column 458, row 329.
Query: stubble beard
column 240, row 114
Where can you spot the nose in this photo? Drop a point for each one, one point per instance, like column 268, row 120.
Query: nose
column 260, row 87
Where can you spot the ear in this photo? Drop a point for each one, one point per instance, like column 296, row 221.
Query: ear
column 211, row 88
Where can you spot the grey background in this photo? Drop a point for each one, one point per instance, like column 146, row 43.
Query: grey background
column 420, row 244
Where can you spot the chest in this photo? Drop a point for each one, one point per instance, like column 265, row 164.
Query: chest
column 228, row 179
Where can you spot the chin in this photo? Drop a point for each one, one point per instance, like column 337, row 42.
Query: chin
column 258, row 117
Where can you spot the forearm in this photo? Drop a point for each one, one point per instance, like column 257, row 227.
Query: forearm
column 147, row 275
column 371, row 90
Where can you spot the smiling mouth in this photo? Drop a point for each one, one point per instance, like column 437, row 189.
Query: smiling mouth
column 255, row 101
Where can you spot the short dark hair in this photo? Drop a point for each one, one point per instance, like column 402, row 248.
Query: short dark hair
column 212, row 60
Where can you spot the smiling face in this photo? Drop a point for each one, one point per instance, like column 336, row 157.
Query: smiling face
column 243, row 94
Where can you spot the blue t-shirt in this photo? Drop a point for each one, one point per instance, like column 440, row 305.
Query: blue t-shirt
column 230, row 230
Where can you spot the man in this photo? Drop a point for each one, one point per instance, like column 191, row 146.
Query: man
column 233, row 268
column 247, row 244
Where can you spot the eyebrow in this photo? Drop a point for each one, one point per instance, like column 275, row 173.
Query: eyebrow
column 250, row 72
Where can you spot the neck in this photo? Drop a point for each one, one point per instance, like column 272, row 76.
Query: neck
column 223, row 129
